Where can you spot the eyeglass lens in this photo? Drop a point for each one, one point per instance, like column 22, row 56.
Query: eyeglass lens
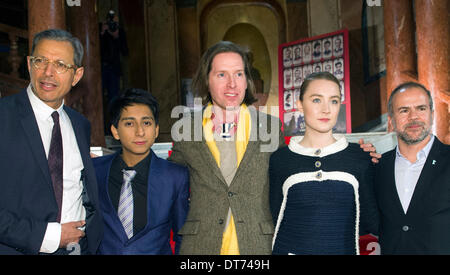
column 42, row 63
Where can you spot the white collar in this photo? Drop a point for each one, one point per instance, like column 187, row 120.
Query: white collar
column 340, row 144
column 40, row 109
column 422, row 154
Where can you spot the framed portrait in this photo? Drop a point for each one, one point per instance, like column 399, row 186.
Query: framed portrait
column 298, row 53
column 288, row 81
column 327, row 66
column 307, row 70
column 327, row 50
column 338, row 49
column 317, row 67
column 288, row 100
column 317, row 50
column 287, row 56
column 297, row 59
column 298, row 77
column 294, row 123
column 306, row 53
column 338, row 68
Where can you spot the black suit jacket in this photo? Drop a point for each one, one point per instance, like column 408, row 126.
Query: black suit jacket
column 425, row 228
column 27, row 201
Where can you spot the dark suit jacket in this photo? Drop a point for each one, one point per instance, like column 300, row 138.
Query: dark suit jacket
column 27, row 200
column 211, row 197
column 167, row 208
column 425, row 228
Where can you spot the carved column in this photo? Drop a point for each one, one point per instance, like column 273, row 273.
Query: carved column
column 44, row 15
column 433, row 42
column 400, row 47
column 162, row 60
column 14, row 57
column 86, row 96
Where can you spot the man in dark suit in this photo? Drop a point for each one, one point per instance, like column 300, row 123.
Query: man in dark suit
column 413, row 180
column 48, row 190
column 140, row 221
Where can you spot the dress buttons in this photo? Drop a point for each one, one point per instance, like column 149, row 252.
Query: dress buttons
column 319, row 175
column 317, row 152
column 405, row 228
column 317, row 164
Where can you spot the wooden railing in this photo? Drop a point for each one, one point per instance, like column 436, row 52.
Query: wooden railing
column 11, row 82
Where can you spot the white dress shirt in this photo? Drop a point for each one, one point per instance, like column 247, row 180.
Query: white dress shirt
column 407, row 174
column 72, row 205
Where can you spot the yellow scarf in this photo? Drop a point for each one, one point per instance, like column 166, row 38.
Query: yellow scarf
column 229, row 241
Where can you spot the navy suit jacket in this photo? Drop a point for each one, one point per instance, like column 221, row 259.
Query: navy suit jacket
column 27, row 200
column 167, row 208
column 425, row 228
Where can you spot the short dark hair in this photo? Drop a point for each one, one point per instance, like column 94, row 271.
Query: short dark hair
column 316, row 76
column 405, row 86
column 130, row 97
column 61, row 35
column 200, row 83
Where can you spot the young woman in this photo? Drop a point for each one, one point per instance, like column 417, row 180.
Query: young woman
column 321, row 194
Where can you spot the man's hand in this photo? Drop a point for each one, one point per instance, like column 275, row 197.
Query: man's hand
column 368, row 147
column 70, row 233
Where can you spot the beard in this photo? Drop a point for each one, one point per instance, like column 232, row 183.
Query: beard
column 411, row 140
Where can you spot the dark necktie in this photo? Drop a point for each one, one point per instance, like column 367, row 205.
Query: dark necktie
column 55, row 162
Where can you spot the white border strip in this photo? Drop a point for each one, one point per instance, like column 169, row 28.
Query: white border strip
column 311, row 177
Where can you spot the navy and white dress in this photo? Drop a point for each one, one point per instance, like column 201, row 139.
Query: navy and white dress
column 321, row 199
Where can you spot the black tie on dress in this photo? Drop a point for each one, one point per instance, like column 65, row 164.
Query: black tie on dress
column 55, row 162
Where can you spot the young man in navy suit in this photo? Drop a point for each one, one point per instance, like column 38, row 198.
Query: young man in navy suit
column 159, row 190
column 413, row 180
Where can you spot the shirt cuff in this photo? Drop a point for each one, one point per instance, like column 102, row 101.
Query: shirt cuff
column 52, row 238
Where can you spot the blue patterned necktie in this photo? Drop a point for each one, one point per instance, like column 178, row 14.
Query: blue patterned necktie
column 125, row 209
column 55, row 162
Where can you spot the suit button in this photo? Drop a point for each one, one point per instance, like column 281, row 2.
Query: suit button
column 230, row 194
column 405, row 228
column 220, row 221
column 318, row 175
column 317, row 164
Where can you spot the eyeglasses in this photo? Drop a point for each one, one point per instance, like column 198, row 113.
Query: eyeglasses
column 41, row 63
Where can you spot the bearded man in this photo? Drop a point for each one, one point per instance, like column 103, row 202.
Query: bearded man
column 413, row 180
